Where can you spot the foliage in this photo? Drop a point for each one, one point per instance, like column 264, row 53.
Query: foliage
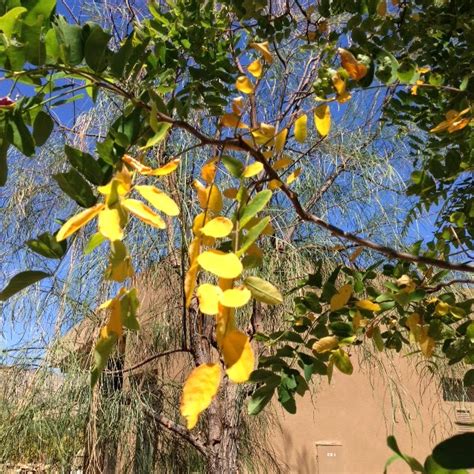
column 177, row 73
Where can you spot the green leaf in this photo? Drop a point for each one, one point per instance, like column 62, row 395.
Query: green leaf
column 342, row 361
column 252, row 235
column 257, row 204
column 129, row 307
column 263, row 290
column 21, row 281
column 160, row 132
column 96, row 51
column 70, row 42
column 85, row 164
column 432, row 467
column 412, row 462
column 407, row 72
column 456, row 452
column 9, row 21
column 4, row 145
column 95, row 240
column 102, row 351
column 76, row 187
column 42, row 127
column 260, row 398
column 47, row 246
column 233, row 165
column 468, row 380
column 20, row 136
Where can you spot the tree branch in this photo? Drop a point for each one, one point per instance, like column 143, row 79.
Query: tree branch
column 180, row 431
column 147, row 361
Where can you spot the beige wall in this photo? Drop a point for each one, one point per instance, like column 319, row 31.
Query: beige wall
column 343, row 428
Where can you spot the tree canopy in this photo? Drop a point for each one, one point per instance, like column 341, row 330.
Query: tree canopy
column 254, row 89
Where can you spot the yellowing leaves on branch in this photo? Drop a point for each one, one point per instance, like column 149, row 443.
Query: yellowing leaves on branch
column 255, row 68
column 322, row 118
column 199, row 389
column 454, row 122
column 243, row 84
column 221, row 264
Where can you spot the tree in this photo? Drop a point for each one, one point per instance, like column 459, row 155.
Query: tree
column 173, row 78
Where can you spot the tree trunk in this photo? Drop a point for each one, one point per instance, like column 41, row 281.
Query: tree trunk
column 223, row 431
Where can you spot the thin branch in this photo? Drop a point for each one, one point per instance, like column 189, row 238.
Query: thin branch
column 180, row 431
column 434, row 289
column 147, row 361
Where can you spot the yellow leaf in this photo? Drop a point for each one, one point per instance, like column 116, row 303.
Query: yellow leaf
column 426, row 342
column 301, row 128
column 230, row 193
column 194, row 249
column 255, row 68
column 264, row 134
column 198, row 391
column 442, row 308
column 120, row 264
column 325, row 344
column 110, row 223
column 340, row 299
column 244, row 85
column 209, row 197
column 199, row 222
column 252, row 169
column 238, row 105
column 354, row 68
column 143, row 212
column 322, row 118
column 120, row 184
column 280, row 140
column 165, row 169
column 158, row 199
column 407, row 284
column 292, row 176
column 135, row 164
column 282, row 163
column 208, row 296
column 368, row 305
column 235, row 297
column 264, row 50
column 114, row 323
column 274, row 184
column 224, row 265
column 232, row 121
column 208, row 171
column 340, row 85
column 238, row 356
column 78, row 221
column 190, row 283
column 413, row 323
column 218, row 227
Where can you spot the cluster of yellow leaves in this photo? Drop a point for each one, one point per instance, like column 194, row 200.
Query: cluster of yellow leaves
column 454, row 121
column 221, row 298
column 112, row 217
column 113, row 212
column 419, row 334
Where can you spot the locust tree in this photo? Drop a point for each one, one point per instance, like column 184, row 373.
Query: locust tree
column 258, row 87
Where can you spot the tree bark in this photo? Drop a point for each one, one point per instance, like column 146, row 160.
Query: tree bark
column 223, row 431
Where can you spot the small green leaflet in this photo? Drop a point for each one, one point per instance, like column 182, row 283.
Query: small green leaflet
column 21, row 281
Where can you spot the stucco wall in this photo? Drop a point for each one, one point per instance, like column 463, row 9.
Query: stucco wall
column 342, row 429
